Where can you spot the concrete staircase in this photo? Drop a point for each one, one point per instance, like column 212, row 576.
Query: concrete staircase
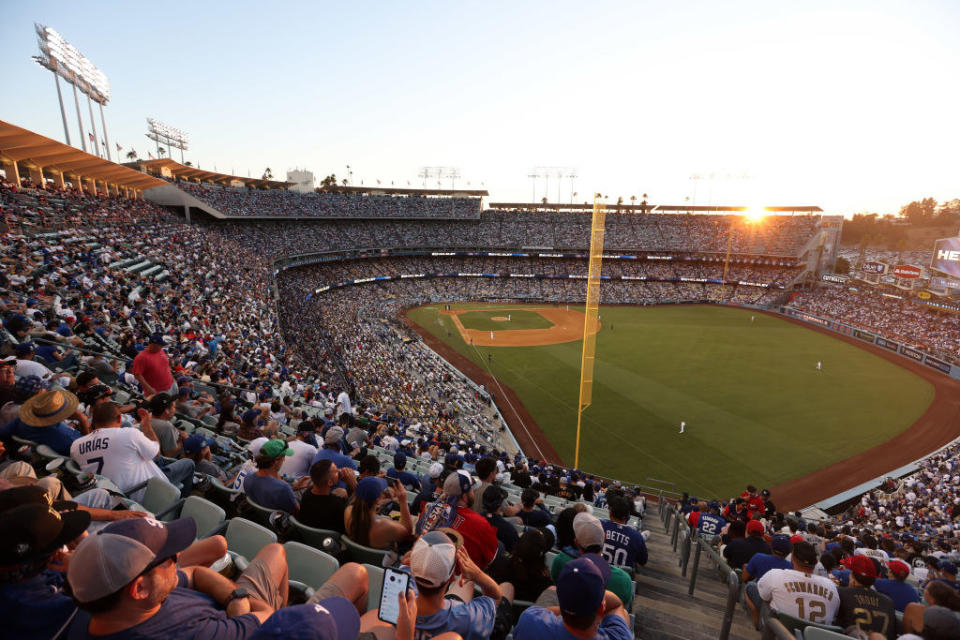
column 662, row 607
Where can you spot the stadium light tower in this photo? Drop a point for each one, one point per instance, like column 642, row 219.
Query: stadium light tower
column 65, row 61
column 169, row 136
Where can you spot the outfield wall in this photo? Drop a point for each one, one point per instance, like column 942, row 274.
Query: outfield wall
column 869, row 337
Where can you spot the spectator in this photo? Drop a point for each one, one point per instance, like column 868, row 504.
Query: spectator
column 493, row 501
column 445, row 604
column 33, row 534
column 797, row 591
column 42, row 419
column 8, row 368
column 739, row 551
column 527, row 570
column 170, row 438
column 936, row 594
column 588, row 541
column 759, row 565
column 323, row 506
column 265, row 487
column 896, row 587
column 452, row 510
column 364, row 525
column 298, row 465
column 151, row 368
column 579, row 606
column 625, row 545
column 532, row 511
column 197, row 448
column 861, row 606
column 331, row 450
column 125, row 456
column 398, row 471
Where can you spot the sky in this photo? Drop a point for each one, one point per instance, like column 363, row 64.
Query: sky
column 847, row 105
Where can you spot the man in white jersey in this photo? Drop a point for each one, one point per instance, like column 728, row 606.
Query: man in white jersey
column 125, row 456
column 819, row 365
column 343, row 403
column 797, row 591
column 683, row 425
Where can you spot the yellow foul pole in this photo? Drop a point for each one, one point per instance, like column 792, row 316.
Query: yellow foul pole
column 591, row 316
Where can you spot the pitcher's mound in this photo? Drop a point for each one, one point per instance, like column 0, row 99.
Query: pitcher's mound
column 500, row 318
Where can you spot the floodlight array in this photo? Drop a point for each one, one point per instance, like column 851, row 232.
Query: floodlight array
column 64, row 59
column 176, row 137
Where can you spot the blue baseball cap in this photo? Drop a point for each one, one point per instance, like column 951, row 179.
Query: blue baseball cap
column 196, row 443
column 24, row 348
column 781, row 544
column 330, row 619
column 399, row 459
column 250, row 415
column 370, row 488
column 949, row 567
column 157, row 338
column 582, row 584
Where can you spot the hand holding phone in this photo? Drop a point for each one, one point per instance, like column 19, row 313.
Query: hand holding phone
column 394, row 587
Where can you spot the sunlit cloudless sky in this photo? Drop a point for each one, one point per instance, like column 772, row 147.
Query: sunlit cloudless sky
column 848, row 105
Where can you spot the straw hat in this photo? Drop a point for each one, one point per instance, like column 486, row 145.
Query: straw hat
column 47, row 408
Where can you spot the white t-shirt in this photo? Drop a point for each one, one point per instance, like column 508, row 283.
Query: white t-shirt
column 343, row 404
column 879, row 554
column 804, row 596
column 298, row 465
column 247, row 468
column 123, row 455
column 32, row 368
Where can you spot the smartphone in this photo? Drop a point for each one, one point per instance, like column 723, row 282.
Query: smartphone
column 394, row 583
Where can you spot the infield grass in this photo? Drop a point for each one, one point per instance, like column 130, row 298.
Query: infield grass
column 756, row 409
column 483, row 320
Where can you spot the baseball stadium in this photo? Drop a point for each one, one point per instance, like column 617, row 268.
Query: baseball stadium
column 241, row 407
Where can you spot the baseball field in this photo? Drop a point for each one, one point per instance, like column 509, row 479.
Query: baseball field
column 746, row 385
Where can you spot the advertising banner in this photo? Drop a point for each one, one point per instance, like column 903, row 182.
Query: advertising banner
column 936, row 282
column 863, row 335
column 833, row 277
column 906, row 271
column 887, row 344
column 939, row 365
column 878, row 268
column 911, row 353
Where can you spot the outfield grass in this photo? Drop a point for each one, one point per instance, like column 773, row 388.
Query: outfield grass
column 483, row 320
column 756, row 408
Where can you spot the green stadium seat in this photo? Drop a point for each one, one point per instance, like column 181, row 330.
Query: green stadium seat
column 313, row 536
column 159, row 497
column 374, row 585
column 816, row 633
column 309, row 567
column 364, row 555
column 258, row 513
column 209, row 517
column 245, row 539
column 794, row 624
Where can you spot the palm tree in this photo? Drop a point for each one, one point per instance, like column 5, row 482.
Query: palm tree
column 643, row 203
column 633, row 201
column 161, row 151
column 132, row 154
column 267, row 174
column 188, row 164
column 344, row 182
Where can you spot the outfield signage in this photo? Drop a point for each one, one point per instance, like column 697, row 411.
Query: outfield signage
column 937, row 282
column 878, row 268
column 863, row 335
column 939, row 365
column 907, row 271
column 913, row 354
column 887, row 344
column 832, row 277
column 946, row 256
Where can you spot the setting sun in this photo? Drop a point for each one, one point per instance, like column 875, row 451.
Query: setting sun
column 755, row 214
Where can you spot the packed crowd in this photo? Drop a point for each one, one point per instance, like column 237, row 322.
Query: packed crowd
column 194, row 380
column 888, row 567
column 239, row 201
column 903, row 320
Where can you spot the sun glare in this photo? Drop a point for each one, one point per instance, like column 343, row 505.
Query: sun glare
column 755, row 214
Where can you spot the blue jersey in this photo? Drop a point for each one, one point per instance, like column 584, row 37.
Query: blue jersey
column 710, row 525
column 623, row 546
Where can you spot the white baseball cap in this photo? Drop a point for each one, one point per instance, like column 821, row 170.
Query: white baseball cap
column 433, row 559
column 588, row 530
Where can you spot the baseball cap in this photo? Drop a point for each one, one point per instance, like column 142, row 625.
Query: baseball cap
column 433, row 559
column 941, row 622
column 754, row 527
column 898, row 568
column 588, row 530
column 182, row 380
column 31, row 525
column 333, row 436
column 459, row 482
column 250, row 415
column 108, row 560
column 863, row 566
column 582, row 584
column 196, row 443
column 330, row 619
column 274, row 449
column 24, row 348
column 157, row 338
column 780, row 543
column 370, row 488
column 949, row 567
column 28, row 386
column 98, row 391
column 255, row 444
column 8, row 361
column 452, row 460
column 435, row 470
column 493, row 497
column 399, row 459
